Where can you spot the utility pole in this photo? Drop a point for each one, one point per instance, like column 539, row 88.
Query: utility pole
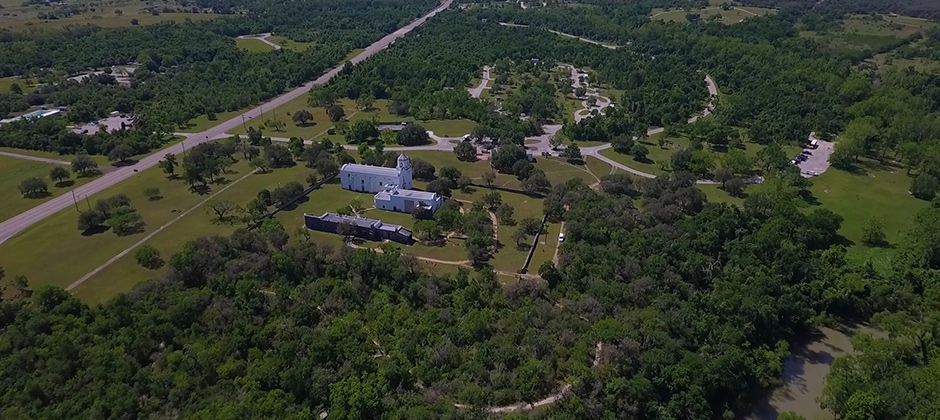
column 75, row 201
column 243, row 123
column 262, row 114
column 88, row 202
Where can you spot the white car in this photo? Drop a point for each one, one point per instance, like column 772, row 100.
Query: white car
column 561, row 237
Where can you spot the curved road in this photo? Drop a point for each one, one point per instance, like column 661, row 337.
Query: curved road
column 26, row 219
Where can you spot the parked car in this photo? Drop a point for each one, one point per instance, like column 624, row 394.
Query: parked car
column 561, row 237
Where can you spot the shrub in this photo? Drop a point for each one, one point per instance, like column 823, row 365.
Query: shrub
column 148, row 257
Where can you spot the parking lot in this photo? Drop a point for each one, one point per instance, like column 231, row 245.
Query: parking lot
column 817, row 161
column 112, row 123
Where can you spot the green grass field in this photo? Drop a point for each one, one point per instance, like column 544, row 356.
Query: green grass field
column 727, row 17
column 27, row 85
column 71, row 255
column 253, row 45
column 321, row 122
column 13, row 171
column 102, row 160
column 203, row 123
column 876, row 191
column 289, row 44
column 23, row 19
column 859, row 33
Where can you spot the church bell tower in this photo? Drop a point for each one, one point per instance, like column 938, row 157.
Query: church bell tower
column 404, row 171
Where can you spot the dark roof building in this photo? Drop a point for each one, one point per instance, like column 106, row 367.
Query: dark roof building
column 371, row 229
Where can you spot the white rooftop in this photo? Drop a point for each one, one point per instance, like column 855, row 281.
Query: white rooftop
column 368, row 169
column 412, row 194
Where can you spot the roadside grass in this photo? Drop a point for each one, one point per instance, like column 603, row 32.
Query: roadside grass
column 66, row 255
column 13, row 171
column 352, row 54
column 101, row 160
column 203, row 123
column 873, row 191
column 27, row 85
column 290, row 44
column 253, row 45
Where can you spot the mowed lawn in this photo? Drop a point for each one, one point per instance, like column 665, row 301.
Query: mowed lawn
column 13, row 171
column 289, row 44
column 872, row 192
column 125, row 273
column 55, row 252
column 27, row 85
column 253, row 45
column 101, row 160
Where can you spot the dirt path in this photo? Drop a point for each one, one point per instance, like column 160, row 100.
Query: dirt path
column 34, row 158
column 154, row 233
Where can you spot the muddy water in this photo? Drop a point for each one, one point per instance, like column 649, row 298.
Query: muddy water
column 804, row 375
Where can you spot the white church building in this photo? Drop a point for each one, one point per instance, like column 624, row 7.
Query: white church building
column 373, row 179
column 391, row 186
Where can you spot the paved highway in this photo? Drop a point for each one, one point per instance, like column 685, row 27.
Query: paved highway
column 26, row 219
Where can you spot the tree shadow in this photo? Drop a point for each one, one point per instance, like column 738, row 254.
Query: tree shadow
column 293, row 206
column 221, row 181
column 200, row 189
column 89, row 173
column 65, row 184
column 644, row 160
column 35, row 196
column 810, row 198
column 95, row 230
column 842, row 240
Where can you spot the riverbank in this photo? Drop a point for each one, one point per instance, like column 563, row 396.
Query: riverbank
column 804, row 374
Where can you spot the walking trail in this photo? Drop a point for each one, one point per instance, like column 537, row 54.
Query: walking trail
column 152, row 234
column 34, row 158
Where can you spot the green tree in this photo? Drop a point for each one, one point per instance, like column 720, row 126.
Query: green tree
column 302, row 117
column 125, row 221
column 335, row 112
column 148, row 257
column 413, row 135
column 84, row 165
column 34, row 188
column 168, row 164
column 120, row 153
column 925, row 186
column 362, row 131
column 465, row 151
column 873, row 232
column 152, row 193
column 59, row 174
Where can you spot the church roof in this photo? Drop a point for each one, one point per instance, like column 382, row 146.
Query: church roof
column 369, row 170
